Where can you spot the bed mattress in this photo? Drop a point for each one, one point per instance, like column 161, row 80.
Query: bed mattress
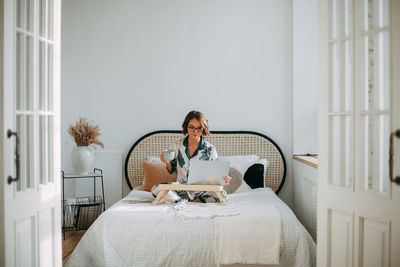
column 146, row 235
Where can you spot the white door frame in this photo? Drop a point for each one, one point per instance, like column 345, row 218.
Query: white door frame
column 30, row 210
column 2, row 133
column 358, row 224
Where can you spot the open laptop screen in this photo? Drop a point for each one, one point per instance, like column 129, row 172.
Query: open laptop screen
column 207, row 172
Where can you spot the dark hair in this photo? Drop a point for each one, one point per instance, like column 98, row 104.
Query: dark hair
column 198, row 116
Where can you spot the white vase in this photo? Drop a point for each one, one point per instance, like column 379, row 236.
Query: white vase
column 82, row 159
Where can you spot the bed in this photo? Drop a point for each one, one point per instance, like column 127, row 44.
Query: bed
column 143, row 234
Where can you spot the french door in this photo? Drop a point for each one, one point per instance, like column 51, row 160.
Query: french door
column 30, row 124
column 359, row 109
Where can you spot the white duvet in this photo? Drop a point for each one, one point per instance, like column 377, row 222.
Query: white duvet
column 147, row 235
column 253, row 237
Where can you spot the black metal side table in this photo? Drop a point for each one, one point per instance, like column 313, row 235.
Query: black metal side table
column 80, row 214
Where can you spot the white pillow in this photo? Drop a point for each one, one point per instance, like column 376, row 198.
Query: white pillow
column 240, row 159
column 243, row 188
column 251, row 174
column 246, row 161
column 264, row 162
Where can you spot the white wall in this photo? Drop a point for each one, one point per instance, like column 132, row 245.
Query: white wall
column 138, row 66
column 305, row 76
column 305, row 109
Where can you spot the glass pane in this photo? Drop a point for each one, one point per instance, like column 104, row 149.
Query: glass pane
column 50, row 17
column 369, row 91
column 348, row 75
column 18, row 129
column 42, row 18
column 384, row 126
column 29, row 15
column 348, row 17
column 41, row 156
column 42, row 73
column 29, row 73
column 24, row 126
column 333, row 20
column 18, row 67
column 50, row 146
column 334, row 77
column 368, row 130
column 29, row 151
column 18, row 13
column 335, row 148
column 348, row 151
column 371, row 15
column 42, row 150
column 50, row 84
column 384, row 70
column 376, row 146
column 385, row 13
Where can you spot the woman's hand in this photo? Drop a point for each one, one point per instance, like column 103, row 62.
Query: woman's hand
column 162, row 158
column 227, row 179
column 167, row 163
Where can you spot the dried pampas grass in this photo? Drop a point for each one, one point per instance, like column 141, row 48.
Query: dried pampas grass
column 84, row 133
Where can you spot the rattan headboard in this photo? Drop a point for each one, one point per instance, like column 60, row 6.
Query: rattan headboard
column 227, row 143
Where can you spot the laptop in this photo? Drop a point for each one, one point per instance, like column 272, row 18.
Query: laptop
column 208, row 172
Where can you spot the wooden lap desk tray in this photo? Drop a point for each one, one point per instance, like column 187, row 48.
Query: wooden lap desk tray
column 164, row 189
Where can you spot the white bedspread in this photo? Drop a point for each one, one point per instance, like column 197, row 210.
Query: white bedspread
column 191, row 210
column 254, row 237
column 146, row 235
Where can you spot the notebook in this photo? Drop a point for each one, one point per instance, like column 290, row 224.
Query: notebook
column 208, row 172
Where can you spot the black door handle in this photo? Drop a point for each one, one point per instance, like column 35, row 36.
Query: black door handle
column 9, row 135
column 391, row 153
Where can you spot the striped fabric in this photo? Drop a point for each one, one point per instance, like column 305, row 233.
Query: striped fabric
column 147, row 235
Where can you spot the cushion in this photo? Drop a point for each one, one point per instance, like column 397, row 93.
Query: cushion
column 156, row 173
column 243, row 188
column 251, row 175
column 240, row 159
column 255, row 174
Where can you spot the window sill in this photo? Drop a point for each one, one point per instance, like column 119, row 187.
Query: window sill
column 308, row 160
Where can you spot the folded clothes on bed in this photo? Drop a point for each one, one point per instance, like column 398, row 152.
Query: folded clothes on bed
column 192, row 210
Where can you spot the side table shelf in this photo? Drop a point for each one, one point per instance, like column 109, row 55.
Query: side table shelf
column 80, row 212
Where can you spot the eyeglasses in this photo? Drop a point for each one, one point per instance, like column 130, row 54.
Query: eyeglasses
column 192, row 128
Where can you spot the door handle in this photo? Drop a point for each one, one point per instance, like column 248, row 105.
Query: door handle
column 9, row 135
column 391, row 153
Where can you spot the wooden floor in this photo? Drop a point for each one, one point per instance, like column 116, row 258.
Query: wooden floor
column 71, row 240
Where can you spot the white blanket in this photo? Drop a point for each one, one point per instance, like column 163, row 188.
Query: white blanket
column 191, row 210
column 253, row 237
column 146, row 235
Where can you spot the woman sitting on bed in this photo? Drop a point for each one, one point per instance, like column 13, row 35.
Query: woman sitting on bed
column 193, row 145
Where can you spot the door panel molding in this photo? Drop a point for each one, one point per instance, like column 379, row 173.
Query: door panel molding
column 47, row 233
column 340, row 238
column 25, row 241
column 373, row 242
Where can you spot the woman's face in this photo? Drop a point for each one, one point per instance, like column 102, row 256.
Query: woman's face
column 194, row 128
